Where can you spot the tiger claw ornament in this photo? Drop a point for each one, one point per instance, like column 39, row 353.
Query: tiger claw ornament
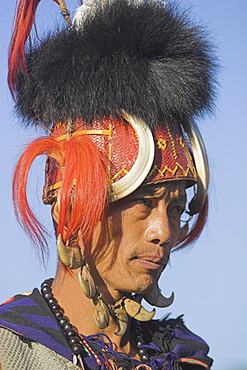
column 121, row 317
column 86, row 281
column 102, row 313
column 137, row 311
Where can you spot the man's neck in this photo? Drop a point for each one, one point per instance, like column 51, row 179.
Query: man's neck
column 80, row 310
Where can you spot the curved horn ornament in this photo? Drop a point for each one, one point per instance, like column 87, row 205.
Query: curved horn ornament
column 155, row 298
column 122, row 318
column 130, row 182
column 137, row 311
column 70, row 256
column 102, row 313
column 86, row 281
column 202, row 167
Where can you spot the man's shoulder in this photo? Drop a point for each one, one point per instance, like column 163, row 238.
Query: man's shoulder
column 25, row 310
column 29, row 316
column 24, row 300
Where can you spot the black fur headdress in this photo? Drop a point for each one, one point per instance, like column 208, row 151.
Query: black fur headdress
column 144, row 58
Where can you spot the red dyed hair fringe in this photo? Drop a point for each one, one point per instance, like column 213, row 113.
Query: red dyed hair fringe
column 81, row 204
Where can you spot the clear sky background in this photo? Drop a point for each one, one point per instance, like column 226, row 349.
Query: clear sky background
column 209, row 280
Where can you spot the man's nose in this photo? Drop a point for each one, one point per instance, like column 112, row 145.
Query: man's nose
column 158, row 230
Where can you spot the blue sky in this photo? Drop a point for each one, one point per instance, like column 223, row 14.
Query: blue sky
column 209, row 280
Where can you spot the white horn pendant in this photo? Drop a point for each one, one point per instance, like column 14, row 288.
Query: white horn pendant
column 86, row 281
column 70, row 256
column 155, row 298
column 137, row 311
column 122, row 318
column 102, row 313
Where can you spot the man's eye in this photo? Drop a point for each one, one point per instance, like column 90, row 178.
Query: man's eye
column 178, row 210
column 144, row 201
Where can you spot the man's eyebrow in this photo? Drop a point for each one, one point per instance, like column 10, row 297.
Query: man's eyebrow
column 157, row 191
column 150, row 190
column 146, row 191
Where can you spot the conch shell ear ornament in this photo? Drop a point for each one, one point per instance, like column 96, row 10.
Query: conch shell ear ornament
column 155, row 298
column 69, row 255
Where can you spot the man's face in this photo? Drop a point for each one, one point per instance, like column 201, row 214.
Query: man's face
column 132, row 246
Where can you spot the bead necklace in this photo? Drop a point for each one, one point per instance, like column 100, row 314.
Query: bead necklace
column 71, row 332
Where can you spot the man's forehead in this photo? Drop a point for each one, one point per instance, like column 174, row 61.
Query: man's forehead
column 161, row 189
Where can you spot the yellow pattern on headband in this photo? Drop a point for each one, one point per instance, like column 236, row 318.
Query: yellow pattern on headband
column 86, row 132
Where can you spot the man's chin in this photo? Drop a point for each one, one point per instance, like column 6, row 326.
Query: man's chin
column 147, row 287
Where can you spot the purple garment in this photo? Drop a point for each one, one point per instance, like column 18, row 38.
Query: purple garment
column 30, row 317
column 169, row 342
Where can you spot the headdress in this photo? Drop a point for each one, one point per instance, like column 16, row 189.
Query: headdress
column 118, row 90
column 140, row 72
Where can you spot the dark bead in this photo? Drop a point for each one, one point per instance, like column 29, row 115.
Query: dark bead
column 47, row 282
column 73, row 340
column 55, row 307
column 52, row 301
column 44, row 284
column 74, row 328
column 142, row 351
column 71, row 333
column 145, row 357
column 58, row 315
column 63, row 321
column 139, row 336
column 48, row 296
column 60, row 309
column 67, row 327
column 77, row 349
column 46, row 289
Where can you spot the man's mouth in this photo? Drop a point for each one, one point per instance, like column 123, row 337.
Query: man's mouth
column 151, row 262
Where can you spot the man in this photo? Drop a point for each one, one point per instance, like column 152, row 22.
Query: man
column 117, row 91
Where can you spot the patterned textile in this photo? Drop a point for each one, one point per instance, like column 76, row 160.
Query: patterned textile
column 171, row 345
column 118, row 142
column 20, row 353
